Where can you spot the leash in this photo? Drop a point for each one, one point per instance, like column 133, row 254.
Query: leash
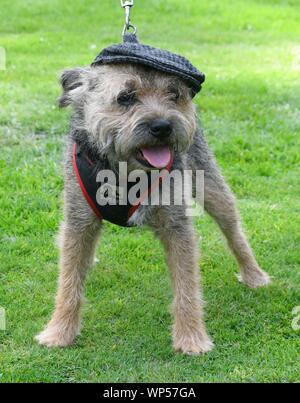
column 127, row 5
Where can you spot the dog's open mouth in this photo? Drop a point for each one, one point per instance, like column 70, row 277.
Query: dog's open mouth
column 155, row 157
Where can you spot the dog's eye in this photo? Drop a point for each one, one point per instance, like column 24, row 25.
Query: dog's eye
column 126, row 98
column 175, row 95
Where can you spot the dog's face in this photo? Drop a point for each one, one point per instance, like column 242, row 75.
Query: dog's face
column 131, row 113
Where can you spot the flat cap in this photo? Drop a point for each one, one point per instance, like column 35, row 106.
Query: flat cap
column 131, row 51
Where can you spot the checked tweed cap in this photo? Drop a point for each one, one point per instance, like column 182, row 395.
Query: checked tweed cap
column 131, row 51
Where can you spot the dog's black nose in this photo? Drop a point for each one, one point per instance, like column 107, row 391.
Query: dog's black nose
column 161, row 128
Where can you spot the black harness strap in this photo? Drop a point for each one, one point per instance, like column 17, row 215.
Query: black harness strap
column 87, row 171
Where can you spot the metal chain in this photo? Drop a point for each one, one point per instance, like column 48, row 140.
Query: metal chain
column 127, row 4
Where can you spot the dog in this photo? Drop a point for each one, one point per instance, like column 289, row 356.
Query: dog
column 119, row 110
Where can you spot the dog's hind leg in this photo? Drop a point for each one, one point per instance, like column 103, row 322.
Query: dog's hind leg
column 78, row 238
column 220, row 203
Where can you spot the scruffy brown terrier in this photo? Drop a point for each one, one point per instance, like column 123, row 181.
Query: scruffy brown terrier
column 119, row 111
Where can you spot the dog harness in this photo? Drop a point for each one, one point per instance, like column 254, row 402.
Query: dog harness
column 87, row 171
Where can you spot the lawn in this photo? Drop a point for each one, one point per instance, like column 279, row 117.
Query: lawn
column 250, row 111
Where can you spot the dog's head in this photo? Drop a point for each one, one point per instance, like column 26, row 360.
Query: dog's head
column 131, row 113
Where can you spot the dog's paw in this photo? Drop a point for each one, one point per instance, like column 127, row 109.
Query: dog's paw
column 56, row 336
column 193, row 344
column 255, row 279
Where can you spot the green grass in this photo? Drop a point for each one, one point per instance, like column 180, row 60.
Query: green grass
column 250, row 110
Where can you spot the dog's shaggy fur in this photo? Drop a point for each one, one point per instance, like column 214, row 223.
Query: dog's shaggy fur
column 113, row 108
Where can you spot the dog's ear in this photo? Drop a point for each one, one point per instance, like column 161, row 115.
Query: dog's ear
column 72, row 82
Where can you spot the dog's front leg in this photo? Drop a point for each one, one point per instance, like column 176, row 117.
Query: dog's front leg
column 180, row 243
column 77, row 246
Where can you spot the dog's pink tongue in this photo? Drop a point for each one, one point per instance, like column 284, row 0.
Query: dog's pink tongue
column 158, row 156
